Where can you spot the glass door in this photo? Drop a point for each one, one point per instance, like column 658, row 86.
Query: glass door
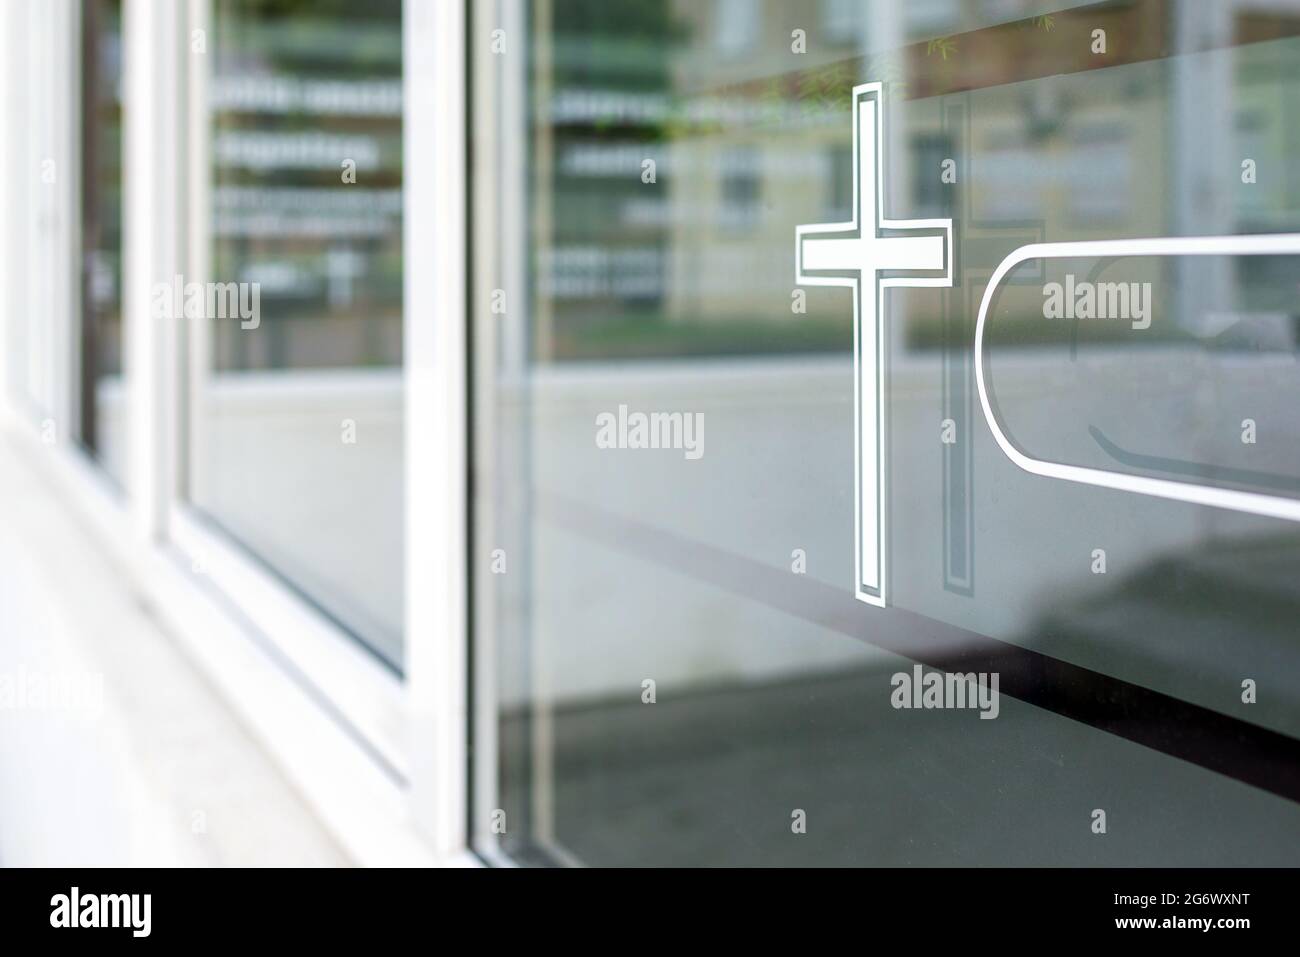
column 882, row 435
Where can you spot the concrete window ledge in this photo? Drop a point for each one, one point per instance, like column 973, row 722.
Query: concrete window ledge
column 114, row 747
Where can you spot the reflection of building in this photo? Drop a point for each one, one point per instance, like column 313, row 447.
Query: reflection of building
column 638, row 263
column 306, row 192
column 1058, row 135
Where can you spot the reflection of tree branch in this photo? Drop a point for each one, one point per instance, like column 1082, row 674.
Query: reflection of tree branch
column 819, row 90
column 1044, row 23
column 941, row 45
column 830, row 87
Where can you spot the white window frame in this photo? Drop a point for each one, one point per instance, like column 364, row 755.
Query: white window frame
column 437, row 461
column 500, row 234
column 366, row 694
column 383, row 760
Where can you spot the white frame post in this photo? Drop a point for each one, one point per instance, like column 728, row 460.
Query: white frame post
column 153, row 219
column 332, row 718
column 435, row 358
column 191, row 469
column 9, row 120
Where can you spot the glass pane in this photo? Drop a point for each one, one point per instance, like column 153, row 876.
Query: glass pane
column 297, row 431
column 102, row 406
column 733, row 558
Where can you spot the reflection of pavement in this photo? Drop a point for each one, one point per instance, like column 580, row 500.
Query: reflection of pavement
column 275, row 473
column 1173, row 411
column 713, row 776
column 1194, row 625
column 776, row 475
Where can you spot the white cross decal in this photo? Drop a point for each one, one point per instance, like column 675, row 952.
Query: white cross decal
column 853, row 254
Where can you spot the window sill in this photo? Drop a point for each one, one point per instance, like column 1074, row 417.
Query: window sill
column 359, row 796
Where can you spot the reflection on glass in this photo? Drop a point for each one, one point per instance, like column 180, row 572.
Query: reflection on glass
column 675, row 661
column 296, row 445
column 101, row 406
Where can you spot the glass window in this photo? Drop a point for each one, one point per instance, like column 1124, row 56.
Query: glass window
column 736, row 26
column 101, row 400
column 669, row 437
column 296, row 444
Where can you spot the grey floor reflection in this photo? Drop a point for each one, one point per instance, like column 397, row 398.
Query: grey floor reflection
column 1196, row 623
column 712, row 778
